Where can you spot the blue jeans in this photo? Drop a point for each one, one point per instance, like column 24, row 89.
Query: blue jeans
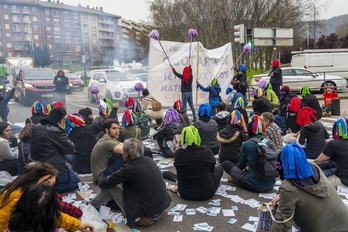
column 187, row 97
column 115, row 163
column 67, row 181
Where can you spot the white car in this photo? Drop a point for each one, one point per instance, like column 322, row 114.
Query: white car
column 296, row 78
column 112, row 84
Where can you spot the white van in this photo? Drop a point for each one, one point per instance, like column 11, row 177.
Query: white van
column 330, row 61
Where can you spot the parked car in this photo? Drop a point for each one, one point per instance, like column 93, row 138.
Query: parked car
column 141, row 77
column 35, row 84
column 75, row 83
column 296, row 78
column 112, row 83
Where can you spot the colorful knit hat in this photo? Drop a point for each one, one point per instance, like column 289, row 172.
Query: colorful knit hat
column 186, row 74
column 306, row 116
column 171, row 116
column 129, row 102
column 72, row 121
column 295, row 105
column 256, row 125
column 39, row 107
column 205, row 110
column 340, row 128
column 190, row 135
column 137, row 107
column 305, row 91
column 257, row 93
column 214, row 82
column 262, row 84
column 178, row 105
column 128, row 119
column 105, row 106
column 294, row 162
column 238, row 119
column 239, row 104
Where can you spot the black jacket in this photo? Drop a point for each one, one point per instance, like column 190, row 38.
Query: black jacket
column 84, row 139
column 185, row 87
column 194, row 166
column 50, row 143
column 231, row 139
column 277, row 79
column 312, row 101
column 168, row 132
column 284, row 103
column 61, row 82
column 262, row 105
column 208, row 131
column 4, row 109
column 184, row 118
column 35, row 118
column 314, row 134
column 144, row 190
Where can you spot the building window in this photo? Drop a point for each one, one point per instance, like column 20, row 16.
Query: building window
column 47, row 19
column 66, row 23
column 47, row 11
column 5, row 6
column 77, row 48
column 7, row 26
column 77, row 40
column 85, row 25
column 48, row 28
column 56, row 30
column 36, row 37
column 67, row 31
column 35, row 27
column 9, row 54
column 8, row 35
column 49, row 37
column 15, row 27
column 57, row 39
column 55, row 13
column 26, row 18
column 14, row 9
column 26, row 10
column 6, row 16
column 68, row 40
column 33, row 9
column 15, row 19
column 8, row 45
column 68, row 47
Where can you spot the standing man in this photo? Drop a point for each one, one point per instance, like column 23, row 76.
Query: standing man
column 186, row 88
column 142, row 196
column 61, row 82
column 276, row 75
column 106, row 156
column 50, row 143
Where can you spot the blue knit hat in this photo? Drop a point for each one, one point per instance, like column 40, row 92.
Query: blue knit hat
column 205, row 110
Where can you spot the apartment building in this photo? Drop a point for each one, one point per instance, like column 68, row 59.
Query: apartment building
column 68, row 31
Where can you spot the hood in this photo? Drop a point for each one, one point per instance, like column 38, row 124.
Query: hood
column 78, row 132
column 320, row 189
column 222, row 115
column 229, row 134
column 314, row 126
column 47, row 119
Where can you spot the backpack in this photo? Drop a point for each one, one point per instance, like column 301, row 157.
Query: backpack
column 267, row 156
column 156, row 105
column 143, row 124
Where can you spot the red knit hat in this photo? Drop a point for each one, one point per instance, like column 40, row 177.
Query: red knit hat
column 129, row 102
column 306, row 116
column 285, row 89
column 275, row 63
column 186, row 74
column 295, row 105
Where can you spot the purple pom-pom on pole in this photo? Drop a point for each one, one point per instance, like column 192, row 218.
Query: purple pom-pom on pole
column 246, row 49
column 154, row 34
column 192, row 33
column 139, row 87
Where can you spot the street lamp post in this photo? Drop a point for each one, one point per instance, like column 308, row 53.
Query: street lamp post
column 32, row 41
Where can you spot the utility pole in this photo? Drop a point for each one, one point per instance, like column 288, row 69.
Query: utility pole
column 314, row 32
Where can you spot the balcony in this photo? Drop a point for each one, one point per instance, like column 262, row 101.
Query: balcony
column 110, row 29
column 26, row 11
column 18, row 48
column 17, row 38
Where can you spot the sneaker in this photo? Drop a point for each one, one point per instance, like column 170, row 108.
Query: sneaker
column 145, row 222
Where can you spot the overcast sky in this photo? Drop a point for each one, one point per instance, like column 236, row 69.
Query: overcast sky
column 138, row 10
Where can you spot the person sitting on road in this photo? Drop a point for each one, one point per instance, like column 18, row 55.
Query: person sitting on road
column 184, row 120
column 147, row 104
column 87, row 114
column 305, row 196
column 310, row 100
column 107, row 109
column 8, row 154
column 198, row 177
column 37, row 173
column 240, row 106
column 312, row 134
column 106, row 156
column 137, row 187
column 260, row 104
column 214, row 93
column 245, row 173
column 222, row 117
column 336, row 150
column 24, row 147
column 292, row 128
column 234, row 100
column 165, row 135
column 269, row 93
column 38, row 110
column 272, row 132
column 207, row 127
column 232, row 138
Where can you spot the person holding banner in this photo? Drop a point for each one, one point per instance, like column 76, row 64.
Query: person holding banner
column 186, row 88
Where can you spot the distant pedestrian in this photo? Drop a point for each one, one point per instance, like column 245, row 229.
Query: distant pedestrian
column 61, row 82
column 240, row 80
column 309, row 99
column 276, row 75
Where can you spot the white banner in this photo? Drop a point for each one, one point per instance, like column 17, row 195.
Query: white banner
column 211, row 63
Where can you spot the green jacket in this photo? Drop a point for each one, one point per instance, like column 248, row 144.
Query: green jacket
column 271, row 95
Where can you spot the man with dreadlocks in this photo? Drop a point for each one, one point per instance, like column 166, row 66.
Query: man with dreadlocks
column 186, row 88
column 198, row 177
column 336, row 150
column 310, row 100
column 214, row 93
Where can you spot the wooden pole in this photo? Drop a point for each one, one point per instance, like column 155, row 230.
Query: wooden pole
column 197, row 65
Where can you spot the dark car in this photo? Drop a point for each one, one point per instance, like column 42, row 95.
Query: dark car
column 75, row 83
column 35, row 84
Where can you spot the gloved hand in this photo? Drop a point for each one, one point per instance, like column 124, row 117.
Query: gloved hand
column 228, row 90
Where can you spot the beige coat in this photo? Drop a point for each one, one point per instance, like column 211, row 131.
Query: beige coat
column 146, row 103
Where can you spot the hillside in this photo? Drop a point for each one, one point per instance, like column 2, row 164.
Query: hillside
column 329, row 25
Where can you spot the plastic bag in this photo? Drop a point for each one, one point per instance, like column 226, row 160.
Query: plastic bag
column 91, row 216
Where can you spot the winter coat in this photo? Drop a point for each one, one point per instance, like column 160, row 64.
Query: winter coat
column 314, row 134
column 147, row 107
column 6, row 152
column 240, row 82
column 184, row 120
column 316, row 207
column 60, row 83
column 261, row 105
column 67, row 222
column 231, row 139
column 185, row 87
column 129, row 132
column 194, row 166
column 291, row 123
column 50, row 143
column 312, row 101
column 84, row 139
column 214, row 94
column 278, row 78
column 222, row 119
column 35, row 118
column 271, row 95
column 284, row 104
column 208, row 132
column 144, row 194
column 4, row 109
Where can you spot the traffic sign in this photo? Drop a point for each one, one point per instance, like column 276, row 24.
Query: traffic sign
column 273, row 36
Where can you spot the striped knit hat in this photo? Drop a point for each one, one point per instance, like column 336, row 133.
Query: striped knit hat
column 39, row 107
column 128, row 119
column 72, row 121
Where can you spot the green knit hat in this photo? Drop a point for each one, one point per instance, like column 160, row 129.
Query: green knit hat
column 214, row 81
column 190, row 135
column 305, row 91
